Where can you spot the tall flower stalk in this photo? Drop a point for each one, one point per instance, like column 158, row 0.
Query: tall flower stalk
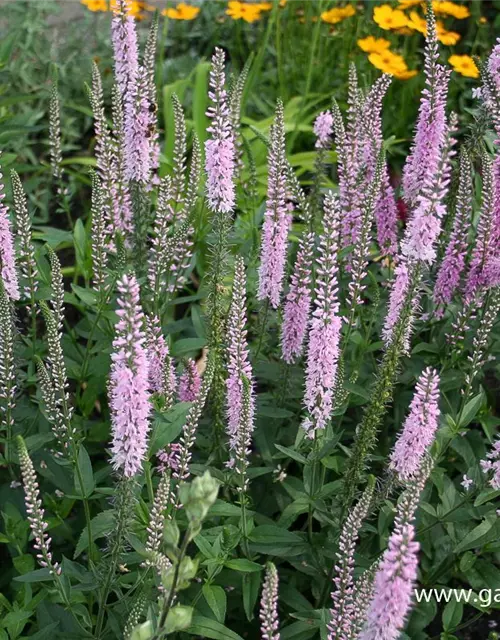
column 7, row 370
column 220, row 169
column 343, row 606
column 269, row 620
column 189, row 382
column 453, row 264
column 8, row 270
column 129, row 383
column 277, row 220
column 419, row 428
column 26, row 254
column 324, row 330
column 240, row 395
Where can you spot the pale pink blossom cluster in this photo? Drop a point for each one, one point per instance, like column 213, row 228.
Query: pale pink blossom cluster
column 129, row 382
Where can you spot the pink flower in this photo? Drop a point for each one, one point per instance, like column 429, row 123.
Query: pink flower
column 323, row 129
column 393, row 589
column 7, row 251
column 298, row 302
column 240, row 396
column 219, row 149
column 129, row 382
column 324, row 331
column 419, row 428
column 422, row 163
column 189, row 383
column 277, row 219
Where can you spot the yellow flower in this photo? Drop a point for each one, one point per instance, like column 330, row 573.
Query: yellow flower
column 264, row 6
column 407, row 4
column 391, row 63
column 448, row 38
column 483, row 20
column 182, row 12
column 388, row 18
column 464, row 65
column 373, row 45
column 95, row 5
column 458, row 11
column 243, row 11
column 405, row 75
column 337, row 14
column 416, row 23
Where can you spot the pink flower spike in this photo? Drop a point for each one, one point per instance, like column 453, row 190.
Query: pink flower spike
column 220, row 155
column 277, row 219
column 324, row 332
column 323, row 129
column 420, row 427
column 7, row 252
column 189, row 383
column 129, row 382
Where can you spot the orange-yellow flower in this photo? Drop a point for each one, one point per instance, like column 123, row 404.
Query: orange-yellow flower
column 388, row 18
column 417, row 23
column 443, row 7
column 243, row 11
column 373, row 45
column 391, row 63
column 337, row 14
column 182, row 11
column 264, row 6
column 95, row 5
column 407, row 4
column 464, row 65
column 446, row 37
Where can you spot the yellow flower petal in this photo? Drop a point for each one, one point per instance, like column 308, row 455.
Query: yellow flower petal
column 337, row 14
column 388, row 18
column 464, row 65
column 458, row 11
column 373, row 45
column 243, row 11
column 181, row 12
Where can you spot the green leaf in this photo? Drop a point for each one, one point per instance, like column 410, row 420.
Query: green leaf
column 471, row 409
column 452, row 614
column 216, row 600
column 274, row 540
column 251, row 588
column 87, row 479
column 188, row 346
column 101, row 525
column 244, row 565
column 485, row 496
column 39, row 575
column 291, row 453
column 207, row 628
column 472, row 539
column 269, row 411
column 168, row 426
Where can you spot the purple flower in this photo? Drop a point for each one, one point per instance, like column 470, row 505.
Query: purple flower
column 189, row 383
column 422, row 163
column 298, row 302
column 277, row 219
column 269, row 605
column 485, row 245
column 323, row 129
column 129, row 382
column 169, row 458
column 419, row 428
column 132, row 81
column 399, row 290
column 324, row 331
column 453, row 264
column 240, row 396
column 386, row 216
column 7, row 251
column 494, row 64
column 158, row 358
column 492, row 465
column 424, row 227
column 219, row 150
column 393, row 589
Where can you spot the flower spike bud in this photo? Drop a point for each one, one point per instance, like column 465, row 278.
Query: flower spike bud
column 189, row 383
column 8, row 271
column 269, row 605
